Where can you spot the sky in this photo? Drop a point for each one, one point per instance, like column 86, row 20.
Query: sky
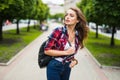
column 54, row 1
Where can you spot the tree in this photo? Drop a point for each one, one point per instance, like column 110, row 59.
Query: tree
column 11, row 12
column 42, row 11
column 25, row 12
column 9, row 9
column 110, row 14
column 17, row 10
column 29, row 10
column 91, row 11
column 102, row 12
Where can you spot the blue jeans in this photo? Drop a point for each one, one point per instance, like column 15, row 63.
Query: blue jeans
column 58, row 71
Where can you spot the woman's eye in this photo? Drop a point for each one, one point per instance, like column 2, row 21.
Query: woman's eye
column 71, row 15
column 66, row 14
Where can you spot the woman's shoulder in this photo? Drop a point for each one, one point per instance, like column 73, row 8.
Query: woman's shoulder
column 56, row 32
column 60, row 29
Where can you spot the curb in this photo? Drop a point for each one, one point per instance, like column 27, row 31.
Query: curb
column 18, row 54
column 101, row 66
column 11, row 60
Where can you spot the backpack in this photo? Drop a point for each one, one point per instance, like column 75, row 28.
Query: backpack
column 43, row 59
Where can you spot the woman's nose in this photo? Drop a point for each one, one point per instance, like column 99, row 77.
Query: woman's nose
column 67, row 17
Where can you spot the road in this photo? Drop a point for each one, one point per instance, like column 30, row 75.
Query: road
column 13, row 26
column 116, row 35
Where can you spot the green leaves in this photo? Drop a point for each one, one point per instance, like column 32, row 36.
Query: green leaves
column 5, row 4
column 101, row 12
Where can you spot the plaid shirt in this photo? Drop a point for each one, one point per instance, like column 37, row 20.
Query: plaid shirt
column 58, row 39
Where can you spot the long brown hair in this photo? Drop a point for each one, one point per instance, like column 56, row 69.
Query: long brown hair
column 81, row 26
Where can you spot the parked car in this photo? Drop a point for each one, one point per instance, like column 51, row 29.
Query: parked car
column 44, row 26
column 7, row 22
column 107, row 30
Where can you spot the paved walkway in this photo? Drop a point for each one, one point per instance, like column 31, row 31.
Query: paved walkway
column 25, row 66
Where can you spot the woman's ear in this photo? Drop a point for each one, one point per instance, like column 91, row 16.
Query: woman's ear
column 77, row 21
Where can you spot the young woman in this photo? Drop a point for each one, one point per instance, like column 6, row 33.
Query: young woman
column 74, row 32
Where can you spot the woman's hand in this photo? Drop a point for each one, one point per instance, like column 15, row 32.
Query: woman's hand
column 73, row 63
column 70, row 51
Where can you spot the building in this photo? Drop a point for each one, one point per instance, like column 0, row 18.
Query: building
column 70, row 3
column 55, row 8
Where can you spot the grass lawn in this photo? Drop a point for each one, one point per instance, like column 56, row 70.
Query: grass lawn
column 13, row 43
column 102, row 51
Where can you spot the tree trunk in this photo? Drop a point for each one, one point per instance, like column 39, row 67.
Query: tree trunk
column 17, row 30
column 1, row 36
column 96, row 31
column 112, row 38
column 28, row 28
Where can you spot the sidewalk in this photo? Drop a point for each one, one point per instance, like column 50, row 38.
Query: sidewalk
column 25, row 66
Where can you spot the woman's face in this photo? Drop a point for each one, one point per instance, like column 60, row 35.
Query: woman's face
column 70, row 18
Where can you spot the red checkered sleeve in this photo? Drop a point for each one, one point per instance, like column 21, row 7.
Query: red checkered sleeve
column 53, row 38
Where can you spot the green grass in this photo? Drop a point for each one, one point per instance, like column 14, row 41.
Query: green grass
column 102, row 51
column 13, row 43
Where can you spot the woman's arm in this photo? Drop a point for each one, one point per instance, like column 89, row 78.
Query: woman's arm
column 52, row 52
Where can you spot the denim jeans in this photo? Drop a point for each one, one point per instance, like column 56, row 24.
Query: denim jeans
column 58, row 71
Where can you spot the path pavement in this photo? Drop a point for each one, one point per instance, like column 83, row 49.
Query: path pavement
column 25, row 66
